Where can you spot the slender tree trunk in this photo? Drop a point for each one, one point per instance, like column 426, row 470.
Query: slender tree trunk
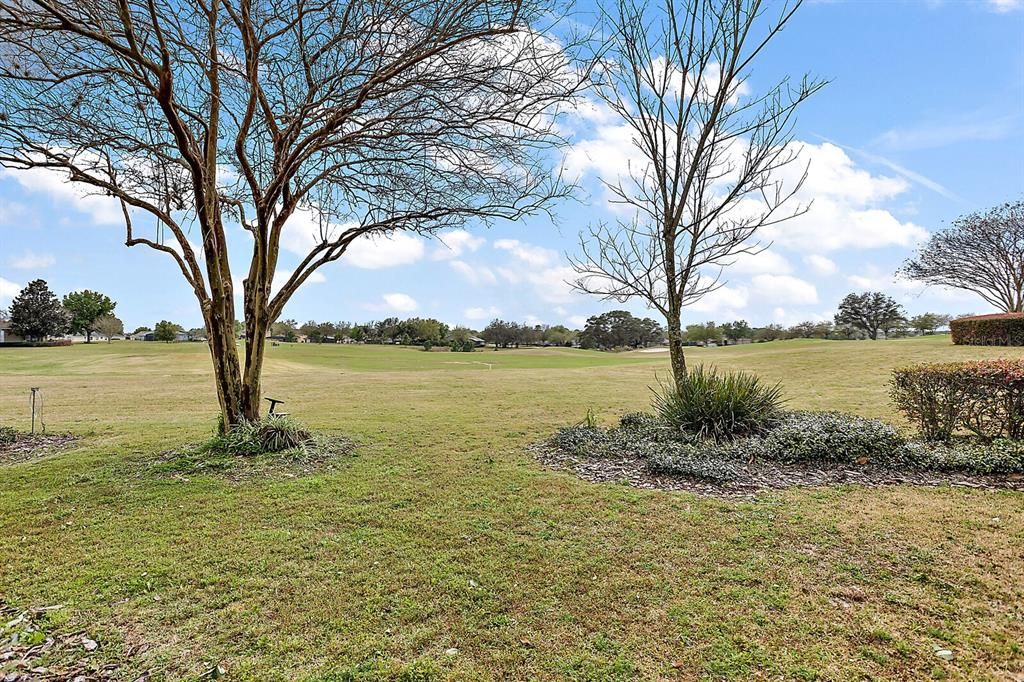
column 677, row 356
column 255, row 346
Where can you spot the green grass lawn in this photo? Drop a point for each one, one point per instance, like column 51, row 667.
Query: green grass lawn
column 440, row 550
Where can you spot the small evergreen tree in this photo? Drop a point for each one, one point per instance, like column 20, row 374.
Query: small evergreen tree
column 37, row 313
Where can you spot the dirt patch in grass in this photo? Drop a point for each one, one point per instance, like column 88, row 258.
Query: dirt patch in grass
column 30, row 447
column 37, row 644
column 760, row 476
column 328, row 453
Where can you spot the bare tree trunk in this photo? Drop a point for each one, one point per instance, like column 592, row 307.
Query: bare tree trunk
column 677, row 356
column 255, row 346
column 226, row 368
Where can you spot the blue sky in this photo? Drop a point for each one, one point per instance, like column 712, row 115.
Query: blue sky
column 922, row 122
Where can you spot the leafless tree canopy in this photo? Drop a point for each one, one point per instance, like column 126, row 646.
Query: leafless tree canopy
column 675, row 72
column 203, row 115
column 981, row 252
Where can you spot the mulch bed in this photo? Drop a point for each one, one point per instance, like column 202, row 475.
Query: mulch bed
column 28, row 447
column 760, row 476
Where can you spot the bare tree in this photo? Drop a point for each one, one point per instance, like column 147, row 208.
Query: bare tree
column 109, row 326
column 224, row 119
column 706, row 182
column 980, row 252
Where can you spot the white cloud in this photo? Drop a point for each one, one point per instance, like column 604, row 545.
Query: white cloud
column 474, row 274
column 102, row 210
column 831, row 225
column 609, row 155
column 303, row 232
column 479, row 313
column 550, row 279
column 372, row 253
column 578, row 321
column 873, row 278
column 8, row 289
column 13, row 214
column 400, row 302
column 1004, row 6
column 455, row 243
column 788, row 318
column 32, row 261
column 820, row 264
column 725, row 300
column 784, row 289
column 281, row 276
column 845, row 203
column 554, row 285
column 705, row 91
column 537, row 256
column 766, row 262
column 510, row 275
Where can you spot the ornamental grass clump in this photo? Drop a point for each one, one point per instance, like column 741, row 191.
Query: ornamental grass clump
column 267, row 436
column 719, row 406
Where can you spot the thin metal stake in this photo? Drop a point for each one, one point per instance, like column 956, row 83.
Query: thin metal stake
column 35, row 393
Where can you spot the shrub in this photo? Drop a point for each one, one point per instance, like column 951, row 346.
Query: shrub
column 815, row 438
column 639, row 421
column 931, row 397
column 985, row 397
column 587, row 441
column 706, row 459
column 271, row 435
column 7, row 435
column 812, row 437
column 36, row 344
column 1004, row 329
column 461, row 346
column 719, row 406
column 1001, row 456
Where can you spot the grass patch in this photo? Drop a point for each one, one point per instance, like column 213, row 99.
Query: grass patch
column 365, row 568
column 272, row 446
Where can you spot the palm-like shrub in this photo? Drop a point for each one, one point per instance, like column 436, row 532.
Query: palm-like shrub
column 274, row 434
column 720, row 406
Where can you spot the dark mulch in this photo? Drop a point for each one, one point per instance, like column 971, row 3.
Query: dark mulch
column 28, row 447
column 760, row 476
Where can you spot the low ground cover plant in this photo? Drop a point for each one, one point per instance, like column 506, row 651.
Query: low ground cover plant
column 741, row 422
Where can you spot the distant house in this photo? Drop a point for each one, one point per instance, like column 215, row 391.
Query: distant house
column 143, row 335
column 477, row 341
column 6, row 335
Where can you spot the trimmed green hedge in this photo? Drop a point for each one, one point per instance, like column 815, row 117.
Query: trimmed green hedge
column 1004, row 329
column 985, row 397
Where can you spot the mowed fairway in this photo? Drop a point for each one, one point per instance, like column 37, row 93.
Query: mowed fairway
column 440, row 549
